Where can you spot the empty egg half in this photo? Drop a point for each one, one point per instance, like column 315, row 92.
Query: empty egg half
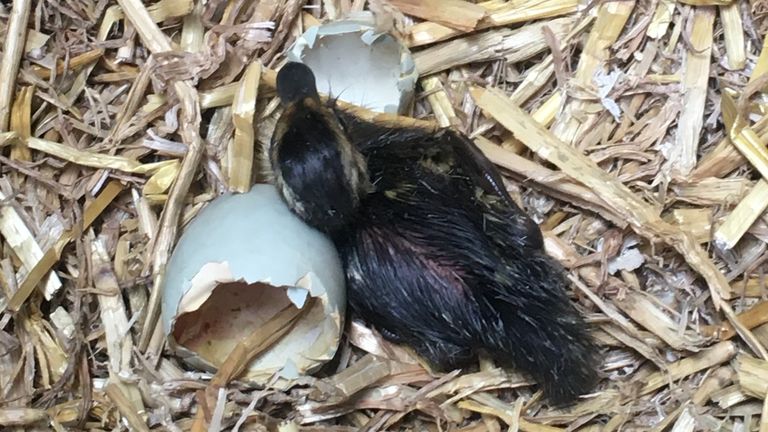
column 239, row 262
column 358, row 63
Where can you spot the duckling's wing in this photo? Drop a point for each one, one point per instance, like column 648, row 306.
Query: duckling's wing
column 476, row 164
column 507, row 218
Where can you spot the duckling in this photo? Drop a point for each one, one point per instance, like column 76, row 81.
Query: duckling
column 437, row 255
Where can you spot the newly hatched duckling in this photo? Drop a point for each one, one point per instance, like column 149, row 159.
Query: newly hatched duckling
column 437, row 255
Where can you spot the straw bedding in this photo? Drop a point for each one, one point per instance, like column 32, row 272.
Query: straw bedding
column 632, row 131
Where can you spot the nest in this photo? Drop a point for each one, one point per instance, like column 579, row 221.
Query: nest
column 632, row 131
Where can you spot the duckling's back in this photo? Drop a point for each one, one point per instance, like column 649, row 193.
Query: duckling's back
column 450, row 268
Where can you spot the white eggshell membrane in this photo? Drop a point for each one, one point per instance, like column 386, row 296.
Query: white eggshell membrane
column 353, row 61
column 240, row 261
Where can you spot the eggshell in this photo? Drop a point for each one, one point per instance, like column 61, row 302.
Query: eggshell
column 357, row 63
column 242, row 259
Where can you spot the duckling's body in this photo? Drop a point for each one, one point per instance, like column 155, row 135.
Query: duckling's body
column 438, row 257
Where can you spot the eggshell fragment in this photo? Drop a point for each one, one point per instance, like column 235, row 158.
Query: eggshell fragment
column 357, row 63
column 241, row 260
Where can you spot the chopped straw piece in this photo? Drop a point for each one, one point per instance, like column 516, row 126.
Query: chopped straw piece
column 51, row 256
column 193, row 32
column 761, row 66
column 512, row 12
column 707, row 2
column 51, row 358
column 126, row 408
column 240, row 152
column 95, row 160
column 711, row 384
column 748, row 287
column 755, row 316
column 162, row 179
column 695, row 78
column 22, row 416
column 697, row 221
column 458, row 14
column 744, row 137
column 13, row 48
column 18, row 236
column 764, row 416
column 160, row 11
column 733, row 29
column 20, row 122
column 439, row 101
column 752, row 375
column 743, row 216
column 218, row 97
column 725, row 157
column 662, row 17
column 645, row 313
column 35, row 40
column 713, row 356
column 113, row 314
column 712, row 191
column 540, row 74
column 514, row 45
column 76, row 62
column 114, row 318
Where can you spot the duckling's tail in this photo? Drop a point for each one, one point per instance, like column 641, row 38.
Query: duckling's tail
column 533, row 327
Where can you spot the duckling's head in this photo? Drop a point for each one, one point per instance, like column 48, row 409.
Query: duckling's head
column 295, row 82
column 319, row 173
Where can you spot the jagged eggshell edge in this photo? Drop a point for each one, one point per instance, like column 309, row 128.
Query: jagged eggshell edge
column 253, row 237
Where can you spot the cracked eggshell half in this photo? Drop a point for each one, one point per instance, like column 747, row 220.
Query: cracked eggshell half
column 240, row 261
column 360, row 65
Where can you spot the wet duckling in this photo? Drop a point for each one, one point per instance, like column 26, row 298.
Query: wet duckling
column 437, row 256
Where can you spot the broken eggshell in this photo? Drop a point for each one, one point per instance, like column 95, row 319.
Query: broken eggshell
column 357, row 63
column 240, row 261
